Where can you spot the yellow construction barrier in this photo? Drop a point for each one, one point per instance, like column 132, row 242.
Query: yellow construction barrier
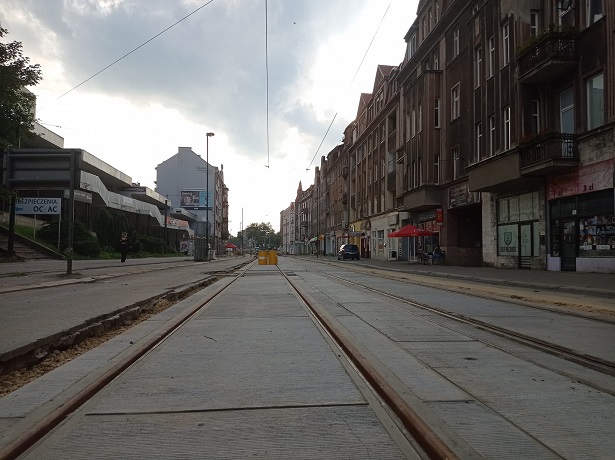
column 267, row 257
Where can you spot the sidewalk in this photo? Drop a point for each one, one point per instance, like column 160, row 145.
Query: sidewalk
column 32, row 272
column 598, row 284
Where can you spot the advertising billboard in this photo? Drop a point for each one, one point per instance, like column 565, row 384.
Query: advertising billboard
column 194, row 199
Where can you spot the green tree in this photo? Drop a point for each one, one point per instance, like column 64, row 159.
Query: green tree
column 261, row 235
column 16, row 104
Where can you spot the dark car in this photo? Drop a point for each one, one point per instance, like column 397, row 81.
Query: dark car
column 348, row 251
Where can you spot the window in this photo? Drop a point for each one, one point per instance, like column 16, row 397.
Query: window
column 420, row 170
column 436, row 169
column 456, row 163
column 455, row 43
column 491, row 57
column 595, row 101
column 535, row 116
column 411, row 46
column 506, row 117
column 505, row 45
column 430, row 13
column 534, row 23
column 437, row 113
column 414, row 175
column 491, row 135
column 563, row 7
column 455, row 111
column 425, row 27
column 436, row 59
column 566, row 111
column 413, row 122
column 408, row 125
column 437, row 11
column 479, row 141
column 478, row 63
column 594, row 11
column 420, row 120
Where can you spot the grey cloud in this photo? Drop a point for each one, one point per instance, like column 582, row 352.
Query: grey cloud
column 211, row 66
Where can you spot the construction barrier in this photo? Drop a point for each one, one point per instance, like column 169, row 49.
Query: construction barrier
column 267, row 257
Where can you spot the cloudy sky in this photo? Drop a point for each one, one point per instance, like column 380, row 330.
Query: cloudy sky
column 209, row 72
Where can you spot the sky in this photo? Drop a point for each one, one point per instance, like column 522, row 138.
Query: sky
column 130, row 81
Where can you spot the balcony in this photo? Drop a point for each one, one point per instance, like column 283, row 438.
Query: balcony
column 499, row 173
column 548, row 58
column 549, row 154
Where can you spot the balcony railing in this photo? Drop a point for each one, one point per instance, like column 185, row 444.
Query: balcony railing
column 548, row 58
column 547, row 148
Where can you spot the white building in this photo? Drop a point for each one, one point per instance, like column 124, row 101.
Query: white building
column 183, row 180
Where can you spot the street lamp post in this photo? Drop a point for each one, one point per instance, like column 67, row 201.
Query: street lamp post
column 207, row 208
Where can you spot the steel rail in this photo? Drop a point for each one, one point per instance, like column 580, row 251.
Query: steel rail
column 386, row 386
column 591, row 362
column 51, row 419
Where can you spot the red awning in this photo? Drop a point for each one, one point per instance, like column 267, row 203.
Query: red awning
column 410, row 230
column 230, row 246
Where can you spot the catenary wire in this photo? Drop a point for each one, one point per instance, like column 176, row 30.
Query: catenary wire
column 135, row 49
column 351, row 82
column 267, row 77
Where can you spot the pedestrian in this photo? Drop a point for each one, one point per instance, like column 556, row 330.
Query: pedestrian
column 437, row 255
column 124, row 246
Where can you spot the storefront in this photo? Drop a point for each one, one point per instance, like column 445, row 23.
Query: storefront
column 518, row 229
column 582, row 219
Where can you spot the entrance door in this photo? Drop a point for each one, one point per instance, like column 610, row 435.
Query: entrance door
column 525, row 246
column 569, row 245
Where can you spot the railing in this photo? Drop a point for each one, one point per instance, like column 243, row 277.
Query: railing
column 550, row 147
column 553, row 46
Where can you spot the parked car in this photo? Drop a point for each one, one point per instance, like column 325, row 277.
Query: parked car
column 348, row 251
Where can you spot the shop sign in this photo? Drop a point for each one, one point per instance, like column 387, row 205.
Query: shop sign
column 461, row 196
column 508, row 238
column 84, row 197
column 439, row 216
column 586, row 179
column 426, row 216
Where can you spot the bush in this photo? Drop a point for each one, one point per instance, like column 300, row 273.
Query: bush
column 151, row 244
column 84, row 243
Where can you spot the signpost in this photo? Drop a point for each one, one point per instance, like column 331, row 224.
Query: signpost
column 38, row 206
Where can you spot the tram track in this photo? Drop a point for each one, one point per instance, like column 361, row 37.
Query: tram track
column 382, row 382
column 29, row 430
column 588, row 361
column 436, row 439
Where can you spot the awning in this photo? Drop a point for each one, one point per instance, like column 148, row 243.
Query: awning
column 410, row 230
column 230, row 246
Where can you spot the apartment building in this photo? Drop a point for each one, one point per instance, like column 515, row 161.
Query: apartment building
column 182, row 179
column 287, row 229
column 494, row 137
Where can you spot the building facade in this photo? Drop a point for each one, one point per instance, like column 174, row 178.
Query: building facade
column 494, row 136
column 183, row 180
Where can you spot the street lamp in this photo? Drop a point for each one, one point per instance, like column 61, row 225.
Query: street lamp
column 207, row 208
